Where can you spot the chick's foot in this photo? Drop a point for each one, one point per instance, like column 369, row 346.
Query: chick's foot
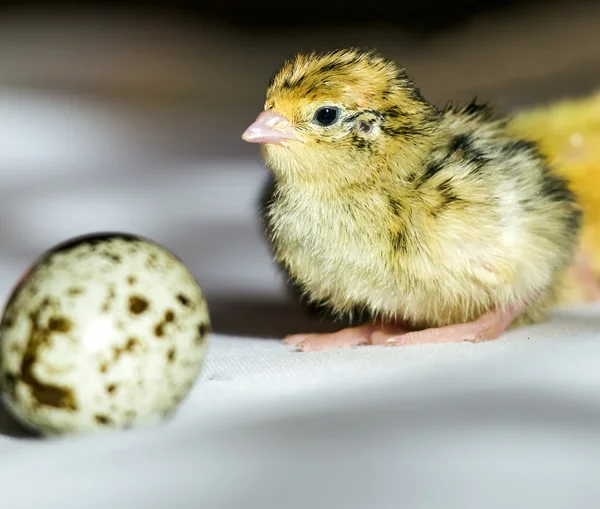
column 349, row 337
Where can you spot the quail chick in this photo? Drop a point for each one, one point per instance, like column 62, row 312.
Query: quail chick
column 436, row 222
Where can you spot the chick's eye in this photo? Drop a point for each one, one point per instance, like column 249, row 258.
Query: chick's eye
column 326, row 116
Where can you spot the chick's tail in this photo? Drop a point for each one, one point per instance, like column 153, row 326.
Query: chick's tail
column 568, row 132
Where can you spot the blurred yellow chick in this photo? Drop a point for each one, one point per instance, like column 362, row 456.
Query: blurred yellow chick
column 439, row 223
column 568, row 133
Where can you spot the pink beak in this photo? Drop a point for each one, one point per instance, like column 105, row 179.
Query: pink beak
column 269, row 127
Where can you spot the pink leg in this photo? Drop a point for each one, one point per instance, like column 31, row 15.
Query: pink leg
column 352, row 336
column 488, row 327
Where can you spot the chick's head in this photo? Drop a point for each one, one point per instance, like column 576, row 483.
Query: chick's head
column 337, row 116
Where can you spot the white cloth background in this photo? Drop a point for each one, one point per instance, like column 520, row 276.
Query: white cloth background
column 512, row 423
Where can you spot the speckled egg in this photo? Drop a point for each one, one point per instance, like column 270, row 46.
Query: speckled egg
column 105, row 331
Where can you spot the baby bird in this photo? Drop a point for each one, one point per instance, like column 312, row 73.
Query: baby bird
column 437, row 223
column 568, row 133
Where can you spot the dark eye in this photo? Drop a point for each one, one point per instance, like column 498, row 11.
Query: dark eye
column 327, row 115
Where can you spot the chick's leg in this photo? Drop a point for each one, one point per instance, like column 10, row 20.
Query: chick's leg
column 351, row 336
column 487, row 327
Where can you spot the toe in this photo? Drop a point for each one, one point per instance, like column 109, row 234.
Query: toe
column 295, row 339
column 313, row 345
column 345, row 338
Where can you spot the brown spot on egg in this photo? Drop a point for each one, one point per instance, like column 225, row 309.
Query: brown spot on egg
column 10, row 384
column 103, row 367
column 203, row 330
column 111, row 388
column 137, row 304
column 110, row 297
column 131, row 280
column 184, row 300
column 44, row 393
column 103, row 419
column 171, row 355
column 8, row 321
column 74, row 291
column 59, row 324
column 129, row 347
column 152, row 261
column 47, row 394
column 112, row 257
column 159, row 328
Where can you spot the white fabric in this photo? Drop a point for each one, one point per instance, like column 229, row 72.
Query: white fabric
column 511, row 423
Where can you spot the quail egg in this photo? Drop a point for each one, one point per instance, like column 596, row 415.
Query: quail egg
column 104, row 331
